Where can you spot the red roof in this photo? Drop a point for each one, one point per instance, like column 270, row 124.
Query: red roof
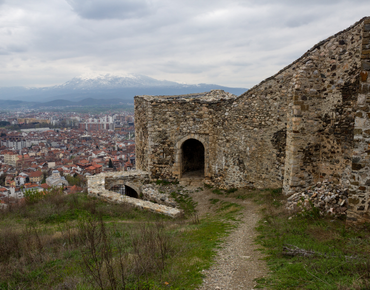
column 74, row 189
column 30, row 185
column 45, row 186
column 35, row 174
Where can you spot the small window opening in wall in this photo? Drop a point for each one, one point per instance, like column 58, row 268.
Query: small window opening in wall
column 192, row 158
column 131, row 192
column 119, row 188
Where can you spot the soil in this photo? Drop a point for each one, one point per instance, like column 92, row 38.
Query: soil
column 238, row 262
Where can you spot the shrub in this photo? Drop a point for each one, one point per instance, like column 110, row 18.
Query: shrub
column 33, row 195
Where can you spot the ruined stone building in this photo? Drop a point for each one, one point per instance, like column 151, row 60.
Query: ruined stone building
column 308, row 122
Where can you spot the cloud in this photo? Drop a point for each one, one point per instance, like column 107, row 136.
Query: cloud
column 227, row 42
column 110, row 9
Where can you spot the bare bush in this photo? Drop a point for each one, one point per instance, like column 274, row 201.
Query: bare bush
column 107, row 262
column 10, row 245
column 97, row 253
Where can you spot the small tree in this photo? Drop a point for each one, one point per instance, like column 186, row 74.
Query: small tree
column 33, row 195
column 44, row 176
column 110, row 165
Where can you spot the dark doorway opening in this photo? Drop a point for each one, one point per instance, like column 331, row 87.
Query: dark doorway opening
column 131, row 192
column 192, row 158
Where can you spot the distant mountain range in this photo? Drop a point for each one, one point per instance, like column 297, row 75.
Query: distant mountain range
column 100, row 90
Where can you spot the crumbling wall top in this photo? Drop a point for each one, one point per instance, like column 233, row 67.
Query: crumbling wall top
column 206, row 97
column 303, row 57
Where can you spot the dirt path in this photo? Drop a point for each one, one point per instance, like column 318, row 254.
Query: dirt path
column 238, row 262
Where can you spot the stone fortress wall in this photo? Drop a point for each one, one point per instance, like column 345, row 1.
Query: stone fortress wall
column 360, row 177
column 308, row 122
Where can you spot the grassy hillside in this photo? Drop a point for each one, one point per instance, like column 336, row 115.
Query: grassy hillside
column 75, row 242
column 308, row 251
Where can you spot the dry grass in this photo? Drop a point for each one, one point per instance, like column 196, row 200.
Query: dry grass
column 341, row 259
column 322, row 235
column 73, row 242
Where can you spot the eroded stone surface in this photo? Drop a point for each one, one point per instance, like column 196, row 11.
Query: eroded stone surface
column 137, row 180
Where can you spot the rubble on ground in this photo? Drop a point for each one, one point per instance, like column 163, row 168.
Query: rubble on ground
column 331, row 199
column 151, row 193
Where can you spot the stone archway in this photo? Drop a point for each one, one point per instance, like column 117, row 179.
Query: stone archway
column 120, row 186
column 129, row 191
column 198, row 144
column 192, row 159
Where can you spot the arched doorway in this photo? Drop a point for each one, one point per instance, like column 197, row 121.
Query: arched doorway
column 192, row 163
column 129, row 191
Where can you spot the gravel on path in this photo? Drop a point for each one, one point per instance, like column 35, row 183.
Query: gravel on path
column 238, row 262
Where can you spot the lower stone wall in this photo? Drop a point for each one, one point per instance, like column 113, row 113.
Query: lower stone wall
column 138, row 180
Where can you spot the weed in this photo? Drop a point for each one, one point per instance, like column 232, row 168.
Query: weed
column 217, row 191
column 209, row 186
column 214, row 200
column 195, row 219
column 162, row 182
column 231, row 190
column 310, row 212
column 185, row 203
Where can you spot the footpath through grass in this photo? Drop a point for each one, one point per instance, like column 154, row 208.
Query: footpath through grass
column 306, row 251
column 76, row 242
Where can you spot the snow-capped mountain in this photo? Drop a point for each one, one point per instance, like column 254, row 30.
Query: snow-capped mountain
column 109, row 81
column 107, row 87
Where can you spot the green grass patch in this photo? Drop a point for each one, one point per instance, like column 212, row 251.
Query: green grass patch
column 218, row 191
column 224, row 191
column 231, row 190
column 307, row 251
column 162, row 182
column 209, row 186
column 185, row 203
column 230, row 210
column 214, row 200
column 58, row 242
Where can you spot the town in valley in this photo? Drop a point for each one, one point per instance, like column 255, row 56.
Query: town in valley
column 44, row 150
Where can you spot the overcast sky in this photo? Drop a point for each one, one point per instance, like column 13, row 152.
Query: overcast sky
column 227, row 42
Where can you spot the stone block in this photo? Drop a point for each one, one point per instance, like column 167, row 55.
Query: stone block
column 357, row 166
column 353, row 201
column 365, row 65
column 361, row 99
column 363, row 76
column 364, row 88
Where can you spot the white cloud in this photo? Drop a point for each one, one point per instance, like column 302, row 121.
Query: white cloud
column 234, row 43
column 110, row 9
